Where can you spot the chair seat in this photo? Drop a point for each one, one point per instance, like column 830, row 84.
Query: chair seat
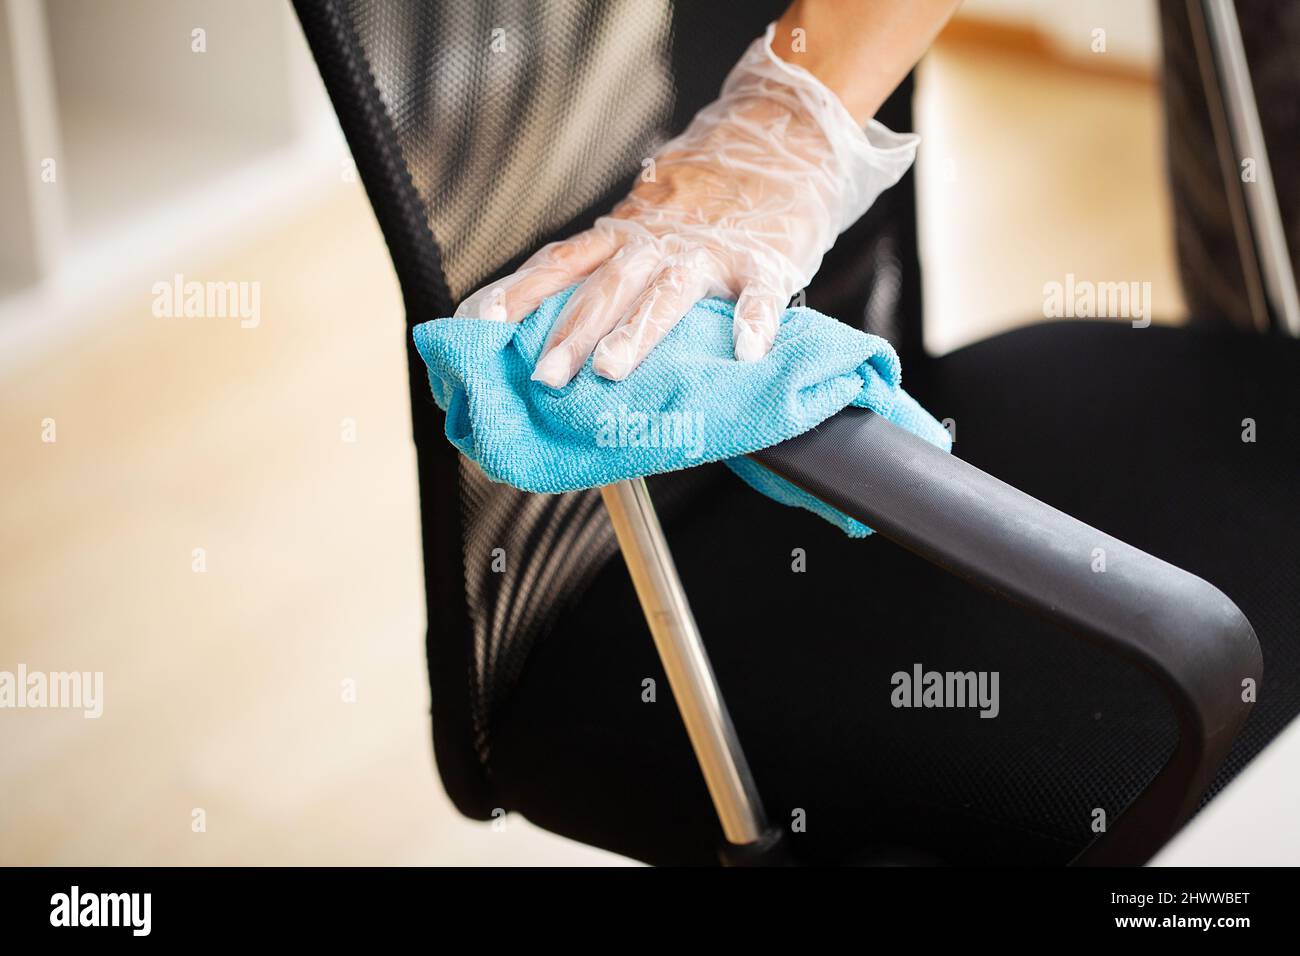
column 1135, row 431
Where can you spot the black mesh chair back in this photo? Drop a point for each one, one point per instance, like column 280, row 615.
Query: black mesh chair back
column 482, row 131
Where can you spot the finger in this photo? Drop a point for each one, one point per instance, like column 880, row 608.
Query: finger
column 680, row 283
column 758, row 316
column 558, row 265
column 551, row 269
column 592, row 311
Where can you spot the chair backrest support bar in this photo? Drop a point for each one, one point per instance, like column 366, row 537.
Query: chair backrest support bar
column 1240, row 134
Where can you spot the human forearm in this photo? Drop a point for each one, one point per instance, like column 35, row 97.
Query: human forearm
column 860, row 49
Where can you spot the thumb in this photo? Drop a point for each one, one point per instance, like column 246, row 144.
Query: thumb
column 758, row 316
column 551, row 269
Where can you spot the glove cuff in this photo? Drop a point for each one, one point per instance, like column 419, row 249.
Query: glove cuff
column 869, row 159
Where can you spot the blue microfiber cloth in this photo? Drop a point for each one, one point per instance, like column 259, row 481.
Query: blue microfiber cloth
column 688, row 403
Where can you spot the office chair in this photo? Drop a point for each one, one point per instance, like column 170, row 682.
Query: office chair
column 592, row 695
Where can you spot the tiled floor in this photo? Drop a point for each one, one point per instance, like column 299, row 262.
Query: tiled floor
column 225, row 688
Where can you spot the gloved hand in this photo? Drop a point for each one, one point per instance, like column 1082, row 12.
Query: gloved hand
column 742, row 205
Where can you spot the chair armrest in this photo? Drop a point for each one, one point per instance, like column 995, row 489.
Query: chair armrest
column 1183, row 630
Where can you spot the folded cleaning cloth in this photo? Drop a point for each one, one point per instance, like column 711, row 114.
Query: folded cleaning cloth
column 688, row 403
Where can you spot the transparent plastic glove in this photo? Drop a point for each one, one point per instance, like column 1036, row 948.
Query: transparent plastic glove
column 742, row 205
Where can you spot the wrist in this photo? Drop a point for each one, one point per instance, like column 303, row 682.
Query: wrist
column 841, row 68
column 854, row 160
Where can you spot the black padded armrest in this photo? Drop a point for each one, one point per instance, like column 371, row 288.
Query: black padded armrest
column 1183, row 630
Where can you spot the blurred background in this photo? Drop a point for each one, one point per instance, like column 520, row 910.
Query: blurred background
column 223, row 519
